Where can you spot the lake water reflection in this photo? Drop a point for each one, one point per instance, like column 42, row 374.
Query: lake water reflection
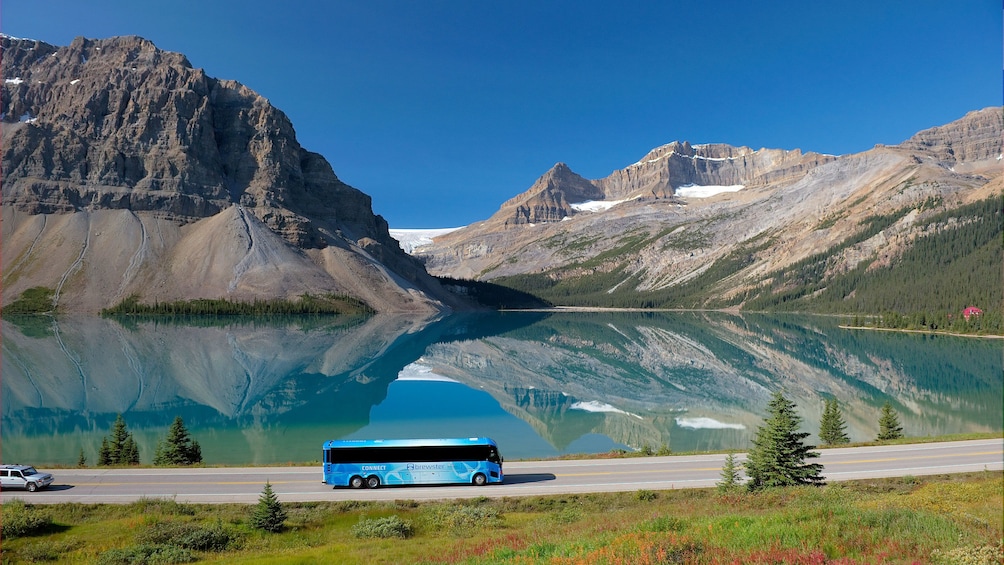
column 541, row 384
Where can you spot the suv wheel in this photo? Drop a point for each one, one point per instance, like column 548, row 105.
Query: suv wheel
column 32, row 487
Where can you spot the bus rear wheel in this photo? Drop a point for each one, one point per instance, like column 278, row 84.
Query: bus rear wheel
column 372, row 481
column 480, row 480
column 356, row 482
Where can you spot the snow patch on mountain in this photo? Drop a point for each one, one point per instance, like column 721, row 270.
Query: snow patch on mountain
column 412, row 239
column 597, row 205
column 419, row 372
column 597, row 406
column 698, row 191
column 707, row 424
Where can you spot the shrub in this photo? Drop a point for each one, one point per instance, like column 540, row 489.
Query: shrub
column 389, row 527
column 982, row 555
column 460, row 520
column 146, row 555
column 646, row 495
column 44, row 550
column 663, row 524
column 20, row 519
column 567, row 515
column 167, row 506
column 196, row 537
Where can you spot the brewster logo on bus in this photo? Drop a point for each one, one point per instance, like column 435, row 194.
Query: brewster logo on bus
column 374, row 467
column 427, row 467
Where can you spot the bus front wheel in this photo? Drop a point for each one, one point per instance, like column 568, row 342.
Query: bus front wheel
column 480, row 480
column 373, row 481
column 356, row 482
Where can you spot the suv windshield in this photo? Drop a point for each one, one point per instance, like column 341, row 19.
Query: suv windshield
column 29, row 471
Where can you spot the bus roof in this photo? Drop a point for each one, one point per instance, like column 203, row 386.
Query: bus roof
column 343, row 443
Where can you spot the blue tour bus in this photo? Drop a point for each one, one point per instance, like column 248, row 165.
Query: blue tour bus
column 375, row 462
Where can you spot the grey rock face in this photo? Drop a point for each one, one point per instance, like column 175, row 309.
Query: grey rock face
column 664, row 169
column 656, row 176
column 118, row 124
column 550, row 198
column 792, row 205
column 972, row 139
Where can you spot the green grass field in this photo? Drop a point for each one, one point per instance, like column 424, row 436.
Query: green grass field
column 939, row 519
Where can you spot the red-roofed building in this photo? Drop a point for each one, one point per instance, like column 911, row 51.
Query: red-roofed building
column 971, row 311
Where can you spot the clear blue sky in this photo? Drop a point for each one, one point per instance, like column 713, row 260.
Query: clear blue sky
column 441, row 110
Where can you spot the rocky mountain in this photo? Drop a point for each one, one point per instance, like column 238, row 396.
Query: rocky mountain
column 126, row 171
column 736, row 222
column 656, row 176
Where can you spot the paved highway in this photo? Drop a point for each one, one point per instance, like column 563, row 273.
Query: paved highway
column 523, row 478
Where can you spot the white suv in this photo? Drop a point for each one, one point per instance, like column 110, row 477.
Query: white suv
column 24, row 477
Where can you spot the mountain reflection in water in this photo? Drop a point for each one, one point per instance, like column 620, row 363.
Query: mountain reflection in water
column 541, row 384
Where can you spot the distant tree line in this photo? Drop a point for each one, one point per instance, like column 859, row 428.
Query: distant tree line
column 952, row 264
column 955, row 263
column 176, row 448
column 329, row 304
column 32, row 302
column 492, row 295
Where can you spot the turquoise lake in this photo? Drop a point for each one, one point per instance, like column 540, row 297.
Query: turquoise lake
column 541, row 384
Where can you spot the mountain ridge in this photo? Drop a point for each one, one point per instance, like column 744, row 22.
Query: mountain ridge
column 184, row 168
column 792, row 207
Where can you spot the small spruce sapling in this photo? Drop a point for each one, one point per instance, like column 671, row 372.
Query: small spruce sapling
column 832, row 428
column 269, row 514
column 731, row 479
column 889, row 427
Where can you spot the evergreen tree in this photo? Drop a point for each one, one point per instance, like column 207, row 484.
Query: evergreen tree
column 889, row 427
column 832, row 428
column 105, row 453
column 269, row 514
column 121, row 449
column 81, row 459
column 777, row 458
column 130, row 452
column 730, row 476
column 117, row 444
column 178, row 448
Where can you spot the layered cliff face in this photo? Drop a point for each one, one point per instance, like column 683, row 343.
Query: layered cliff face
column 665, row 169
column 668, row 218
column 129, row 139
column 974, row 142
